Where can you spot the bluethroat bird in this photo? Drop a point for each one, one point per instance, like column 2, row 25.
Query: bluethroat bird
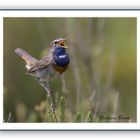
column 55, row 63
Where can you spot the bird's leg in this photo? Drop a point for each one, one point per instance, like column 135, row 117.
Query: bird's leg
column 45, row 85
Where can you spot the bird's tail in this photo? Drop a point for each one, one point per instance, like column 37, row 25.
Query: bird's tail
column 24, row 55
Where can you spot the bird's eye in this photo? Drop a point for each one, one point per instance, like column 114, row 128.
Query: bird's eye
column 55, row 42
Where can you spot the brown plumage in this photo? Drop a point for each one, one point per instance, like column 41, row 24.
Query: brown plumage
column 60, row 69
column 53, row 62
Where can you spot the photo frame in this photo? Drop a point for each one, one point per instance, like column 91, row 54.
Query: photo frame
column 14, row 20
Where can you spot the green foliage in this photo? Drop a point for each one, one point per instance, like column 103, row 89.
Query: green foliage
column 78, row 117
column 90, row 117
column 62, row 109
column 50, row 116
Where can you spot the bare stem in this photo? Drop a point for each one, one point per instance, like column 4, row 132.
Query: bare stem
column 9, row 117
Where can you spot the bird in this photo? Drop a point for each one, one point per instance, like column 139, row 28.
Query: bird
column 54, row 63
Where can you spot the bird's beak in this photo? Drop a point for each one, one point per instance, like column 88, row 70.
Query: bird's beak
column 63, row 43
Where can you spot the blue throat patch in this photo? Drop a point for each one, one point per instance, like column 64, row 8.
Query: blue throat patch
column 60, row 56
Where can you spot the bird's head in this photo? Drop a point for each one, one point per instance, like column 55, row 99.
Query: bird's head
column 60, row 42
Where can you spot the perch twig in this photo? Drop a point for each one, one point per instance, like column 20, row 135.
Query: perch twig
column 50, row 100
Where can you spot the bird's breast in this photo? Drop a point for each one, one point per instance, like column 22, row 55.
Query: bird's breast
column 62, row 60
column 60, row 69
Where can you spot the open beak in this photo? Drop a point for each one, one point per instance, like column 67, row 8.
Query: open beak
column 63, row 43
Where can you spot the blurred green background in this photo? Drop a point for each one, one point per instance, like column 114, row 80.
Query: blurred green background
column 102, row 72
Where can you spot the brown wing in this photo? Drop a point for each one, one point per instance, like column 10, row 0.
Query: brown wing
column 43, row 63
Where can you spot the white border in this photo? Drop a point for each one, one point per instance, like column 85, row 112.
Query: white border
column 68, row 126
column 69, row 4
